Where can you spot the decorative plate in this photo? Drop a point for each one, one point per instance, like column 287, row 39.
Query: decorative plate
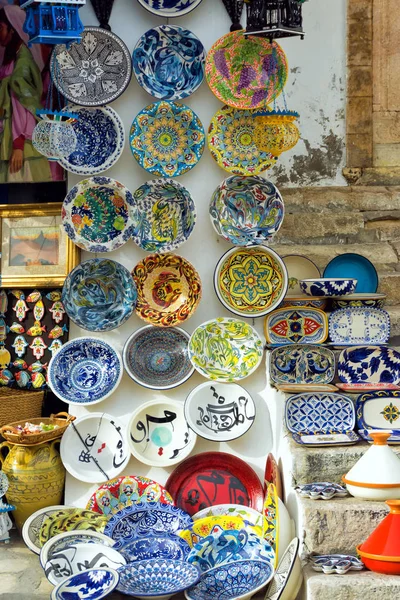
column 203, row 528
column 170, row 8
column 94, row 448
column 319, row 413
column 168, row 62
column 156, row 578
column 246, row 211
column 220, row 412
column 165, row 545
column 296, row 326
column 144, row 519
column 272, row 474
column 225, row 350
column 164, row 216
column 326, row 439
column 351, row 326
column 328, row 287
column 282, row 585
column 302, row 364
column 85, row 371
column 271, row 519
column 378, row 410
column 60, row 542
column 31, row 528
column 303, row 301
column 99, row 295
column 357, row 267
column 100, row 140
column 69, row 519
column 92, row 584
column 358, row 300
column 369, row 364
column 250, row 282
column 158, row 434
column 167, row 139
column 322, row 490
column 121, row 492
column 296, row 388
column 93, row 72
column 299, row 267
column 169, row 289
column 231, row 143
column 249, row 515
column 246, row 72
column 95, row 214
column 361, row 388
column 157, row 358
column 74, row 558
column 214, row 478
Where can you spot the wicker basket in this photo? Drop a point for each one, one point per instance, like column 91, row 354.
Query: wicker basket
column 11, row 434
column 16, row 405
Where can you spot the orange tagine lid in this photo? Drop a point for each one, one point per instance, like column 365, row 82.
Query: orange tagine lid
column 384, row 541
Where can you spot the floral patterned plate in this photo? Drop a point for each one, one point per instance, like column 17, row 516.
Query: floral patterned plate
column 168, row 62
column 249, row 515
column 169, row 289
column 95, row 214
column 167, row 139
column 206, row 526
column 169, row 8
column 225, row 349
column 246, row 72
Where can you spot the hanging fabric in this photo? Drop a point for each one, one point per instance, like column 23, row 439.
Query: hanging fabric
column 103, row 9
column 234, row 9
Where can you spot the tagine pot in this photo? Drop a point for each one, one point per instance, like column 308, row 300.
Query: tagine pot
column 36, row 477
column 376, row 475
column 381, row 551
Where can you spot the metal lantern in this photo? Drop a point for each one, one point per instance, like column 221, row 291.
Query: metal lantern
column 276, row 131
column 54, row 136
column 274, row 18
column 53, row 21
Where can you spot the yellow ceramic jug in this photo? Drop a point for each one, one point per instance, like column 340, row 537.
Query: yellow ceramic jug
column 36, row 477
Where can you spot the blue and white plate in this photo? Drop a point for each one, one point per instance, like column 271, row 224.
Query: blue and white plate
column 353, row 325
column 379, row 410
column 85, row 371
column 328, row 287
column 357, row 267
column 169, row 8
column 165, row 545
column 92, row 584
column 100, row 140
column 168, row 62
column 369, row 364
column 156, row 578
column 302, row 364
column 319, row 413
column 99, row 294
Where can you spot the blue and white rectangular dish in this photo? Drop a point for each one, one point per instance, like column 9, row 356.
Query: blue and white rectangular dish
column 357, row 325
column 369, row 364
column 319, row 413
column 302, row 364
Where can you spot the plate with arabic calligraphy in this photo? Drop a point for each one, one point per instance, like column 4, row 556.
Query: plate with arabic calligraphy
column 214, row 478
column 219, row 412
column 158, row 434
column 231, row 143
column 123, row 491
column 250, row 281
column 70, row 519
column 95, row 449
column 169, row 289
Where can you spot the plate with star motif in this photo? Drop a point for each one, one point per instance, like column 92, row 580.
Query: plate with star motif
column 379, row 410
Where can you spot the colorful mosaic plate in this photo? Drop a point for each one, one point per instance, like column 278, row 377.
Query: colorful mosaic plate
column 299, row 267
column 318, row 413
column 246, row 72
column 69, row 519
column 164, row 215
column 246, row 210
column 302, row 364
column 95, row 214
column 369, row 364
column 169, row 8
column 100, row 140
column 250, row 282
column 353, row 325
column 296, row 326
column 167, row 139
column 231, row 143
column 168, row 62
column 124, row 491
column 225, row 349
column 169, row 289
column 214, row 525
column 93, row 72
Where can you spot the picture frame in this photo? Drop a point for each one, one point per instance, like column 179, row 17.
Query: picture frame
column 35, row 250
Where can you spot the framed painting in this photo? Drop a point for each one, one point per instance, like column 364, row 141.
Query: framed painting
column 35, row 250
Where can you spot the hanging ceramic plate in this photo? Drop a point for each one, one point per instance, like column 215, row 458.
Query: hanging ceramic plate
column 214, row 478
column 379, row 410
column 168, row 62
column 272, row 474
column 31, row 528
column 164, row 215
column 99, row 295
column 167, row 139
column 95, row 449
column 225, row 350
column 85, row 371
column 296, row 326
column 157, row 358
column 169, row 289
column 288, row 576
column 303, row 364
column 246, row 211
column 93, row 72
column 246, row 72
column 169, row 8
column 249, row 515
column 100, row 140
column 250, row 282
column 319, row 413
column 158, row 434
column 352, row 326
column 124, row 491
column 95, row 214
column 299, row 267
column 356, row 267
column 231, row 143
column 70, row 519
column 59, row 542
column 369, row 364
column 220, row 412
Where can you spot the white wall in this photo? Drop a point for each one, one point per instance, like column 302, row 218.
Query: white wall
column 317, row 62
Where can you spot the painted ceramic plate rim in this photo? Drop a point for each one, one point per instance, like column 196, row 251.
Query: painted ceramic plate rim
column 167, row 402
column 296, row 309
column 44, row 551
column 55, row 592
column 369, row 267
column 161, row 13
column 357, row 309
column 252, row 511
column 304, row 261
column 337, row 396
column 295, row 542
column 32, row 517
column 360, row 408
